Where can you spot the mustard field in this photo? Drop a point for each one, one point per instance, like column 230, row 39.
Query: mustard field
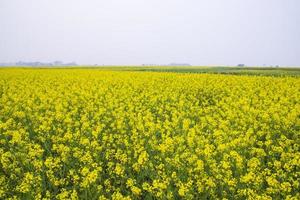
column 92, row 134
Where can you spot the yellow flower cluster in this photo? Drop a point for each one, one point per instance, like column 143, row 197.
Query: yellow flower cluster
column 92, row 134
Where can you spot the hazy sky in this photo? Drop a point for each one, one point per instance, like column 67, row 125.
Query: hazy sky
column 200, row 32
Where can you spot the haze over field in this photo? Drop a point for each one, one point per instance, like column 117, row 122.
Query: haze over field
column 198, row 32
column 149, row 99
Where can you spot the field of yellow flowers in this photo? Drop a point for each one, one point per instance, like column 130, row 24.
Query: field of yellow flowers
column 92, row 134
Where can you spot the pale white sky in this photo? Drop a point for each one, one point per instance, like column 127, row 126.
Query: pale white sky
column 200, row 32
